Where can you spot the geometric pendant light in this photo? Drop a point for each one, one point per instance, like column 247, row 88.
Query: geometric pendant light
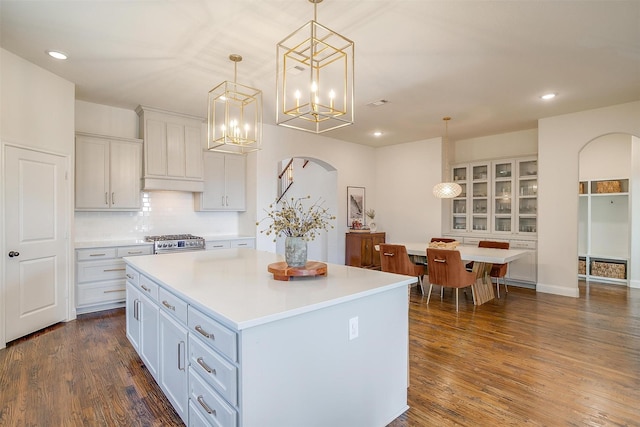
column 446, row 190
column 315, row 78
column 235, row 116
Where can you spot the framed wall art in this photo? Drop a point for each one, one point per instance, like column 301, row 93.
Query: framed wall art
column 355, row 205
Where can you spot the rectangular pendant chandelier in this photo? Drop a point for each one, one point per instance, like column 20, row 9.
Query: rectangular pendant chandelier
column 235, row 117
column 315, row 79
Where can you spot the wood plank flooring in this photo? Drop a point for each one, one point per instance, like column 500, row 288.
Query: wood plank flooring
column 527, row 359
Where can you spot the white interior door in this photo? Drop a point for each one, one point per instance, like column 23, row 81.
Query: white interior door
column 36, row 212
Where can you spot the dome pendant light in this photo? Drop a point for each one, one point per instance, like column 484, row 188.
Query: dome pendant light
column 446, row 190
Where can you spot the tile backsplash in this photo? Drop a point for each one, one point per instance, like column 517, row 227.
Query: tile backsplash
column 163, row 212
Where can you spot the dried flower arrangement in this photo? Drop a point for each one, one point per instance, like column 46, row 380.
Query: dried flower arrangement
column 371, row 213
column 291, row 219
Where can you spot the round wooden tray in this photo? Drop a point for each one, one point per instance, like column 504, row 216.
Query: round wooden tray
column 281, row 271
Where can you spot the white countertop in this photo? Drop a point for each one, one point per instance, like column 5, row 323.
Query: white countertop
column 132, row 242
column 110, row 243
column 235, row 285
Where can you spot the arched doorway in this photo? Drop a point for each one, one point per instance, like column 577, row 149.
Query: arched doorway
column 318, row 179
column 606, row 222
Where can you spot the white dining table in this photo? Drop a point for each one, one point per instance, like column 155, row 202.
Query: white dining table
column 483, row 259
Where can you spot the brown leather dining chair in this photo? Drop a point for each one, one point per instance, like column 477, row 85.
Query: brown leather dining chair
column 497, row 270
column 395, row 259
column 447, row 270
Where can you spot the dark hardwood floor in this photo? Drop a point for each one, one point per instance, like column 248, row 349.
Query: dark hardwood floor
column 527, row 359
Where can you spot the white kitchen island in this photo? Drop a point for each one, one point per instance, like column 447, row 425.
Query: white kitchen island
column 234, row 347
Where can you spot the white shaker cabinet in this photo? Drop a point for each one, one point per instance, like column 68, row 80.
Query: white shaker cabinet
column 224, row 183
column 172, row 150
column 108, row 172
column 142, row 327
column 173, row 363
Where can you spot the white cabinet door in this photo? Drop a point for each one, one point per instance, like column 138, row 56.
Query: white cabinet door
column 173, row 363
column 125, row 173
column 235, row 169
column 92, row 173
column 149, row 316
column 133, row 319
column 108, row 173
column 175, row 151
column 193, row 153
column 224, row 183
column 155, row 148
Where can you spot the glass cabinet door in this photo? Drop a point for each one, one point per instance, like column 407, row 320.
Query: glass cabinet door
column 503, row 196
column 480, row 188
column 459, row 217
column 527, row 196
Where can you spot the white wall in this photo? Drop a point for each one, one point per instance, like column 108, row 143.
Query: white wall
column 355, row 165
column 406, row 208
column 560, row 140
column 36, row 110
column 606, row 157
column 505, row 145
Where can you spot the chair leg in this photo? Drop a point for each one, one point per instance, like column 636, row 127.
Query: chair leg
column 421, row 286
column 441, row 292
column 429, row 294
column 498, row 287
column 456, row 299
column 504, row 282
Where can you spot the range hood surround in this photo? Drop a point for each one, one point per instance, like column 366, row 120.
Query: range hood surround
column 172, row 154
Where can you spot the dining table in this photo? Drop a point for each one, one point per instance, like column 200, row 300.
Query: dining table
column 483, row 259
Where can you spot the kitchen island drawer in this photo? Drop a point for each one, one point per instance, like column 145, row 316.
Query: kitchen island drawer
column 148, row 287
column 132, row 275
column 95, row 254
column 102, row 292
column 213, row 333
column 213, row 407
column 91, row 271
column 172, row 304
column 214, row 369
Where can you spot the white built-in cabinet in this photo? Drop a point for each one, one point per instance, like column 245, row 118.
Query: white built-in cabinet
column 224, row 183
column 108, row 171
column 604, row 230
column 172, row 150
column 498, row 202
column 498, row 197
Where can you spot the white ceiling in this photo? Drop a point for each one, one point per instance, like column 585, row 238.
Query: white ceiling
column 485, row 63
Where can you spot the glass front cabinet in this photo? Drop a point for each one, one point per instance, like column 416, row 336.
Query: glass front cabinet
column 497, row 197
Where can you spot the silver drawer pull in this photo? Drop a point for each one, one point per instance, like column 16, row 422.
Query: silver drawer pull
column 134, row 252
column 169, row 306
column 387, row 254
column 129, row 276
column 97, row 254
column 242, row 244
column 145, row 288
column 205, row 333
column 206, row 367
column 114, row 269
column 113, row 290
column 206, row 407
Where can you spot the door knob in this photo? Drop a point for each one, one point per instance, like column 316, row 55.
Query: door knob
column 13, row 253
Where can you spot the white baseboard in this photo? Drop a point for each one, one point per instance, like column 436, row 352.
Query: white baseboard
column 558, row 290
column 634, row 284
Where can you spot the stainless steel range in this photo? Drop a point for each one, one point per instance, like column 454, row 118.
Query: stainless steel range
column 175, row 243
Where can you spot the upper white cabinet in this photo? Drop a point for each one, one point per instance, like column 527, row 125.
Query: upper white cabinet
column 527, row 196
column 108, row 171
column 172, row 150
column 224, row 183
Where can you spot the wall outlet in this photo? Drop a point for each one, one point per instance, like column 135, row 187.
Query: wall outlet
column 353, row 328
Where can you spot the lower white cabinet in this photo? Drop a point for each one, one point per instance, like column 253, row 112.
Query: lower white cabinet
column 142, row 327
column 524, row 269
column 173, row 363
column 212, row 245
column 192, row 357
column 100, row 276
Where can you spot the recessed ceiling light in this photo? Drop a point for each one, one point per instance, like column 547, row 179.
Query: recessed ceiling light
column 377, row 133
column 57, row 54
column 548, row 96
